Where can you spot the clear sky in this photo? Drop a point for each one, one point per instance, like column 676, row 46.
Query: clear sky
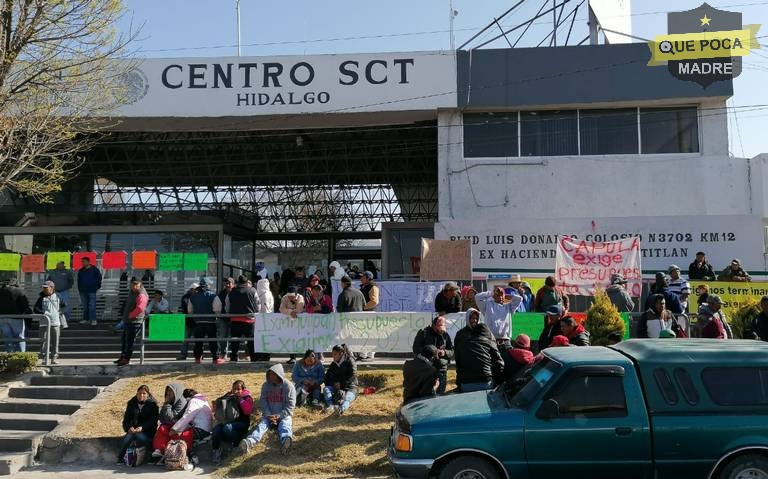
column 197, row 28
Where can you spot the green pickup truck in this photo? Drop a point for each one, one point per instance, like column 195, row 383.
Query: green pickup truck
column 645, row 408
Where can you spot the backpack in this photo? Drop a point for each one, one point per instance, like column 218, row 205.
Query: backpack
column 176, row 455
column 226, row 409
column 135, row 455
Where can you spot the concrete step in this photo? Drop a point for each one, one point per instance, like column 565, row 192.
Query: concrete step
column 72, row 380
column 83, row 393
column 109, row 356
column 20, row 441
column 39, row 406
column 10, row 463
column 30, row 422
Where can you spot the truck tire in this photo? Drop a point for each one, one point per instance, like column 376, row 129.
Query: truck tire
column 469, row 467
column 748, row 466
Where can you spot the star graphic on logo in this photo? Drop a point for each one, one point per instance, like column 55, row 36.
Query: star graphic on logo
column 705, row 20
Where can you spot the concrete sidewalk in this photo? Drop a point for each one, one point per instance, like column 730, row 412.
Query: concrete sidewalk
column 145, row 472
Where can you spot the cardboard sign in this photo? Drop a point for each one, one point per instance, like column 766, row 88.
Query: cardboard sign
column 195, row 261
column 166, row 327
column 9, row 261
column 144, row 260
column 170, row 262
column 581, row 265
column 445, row 260
column 33, row 263
column 77, row 259
column 114, row 260
column 52, row 258
column 735, row 293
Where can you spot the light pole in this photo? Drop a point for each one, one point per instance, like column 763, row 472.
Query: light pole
column 237, row 9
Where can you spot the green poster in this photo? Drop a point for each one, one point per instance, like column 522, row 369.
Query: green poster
column 9, row 261
column 195, row 261
column 627, row 321
column 166, row 327
column 53, row 257
column 528, row 323
column 170, row 262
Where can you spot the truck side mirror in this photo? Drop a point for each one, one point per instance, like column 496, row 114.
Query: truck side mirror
column 549, row 409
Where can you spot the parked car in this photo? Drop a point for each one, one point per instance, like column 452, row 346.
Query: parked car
column 645, row 408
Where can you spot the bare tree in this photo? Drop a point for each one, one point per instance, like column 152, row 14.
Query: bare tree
column 63, row 70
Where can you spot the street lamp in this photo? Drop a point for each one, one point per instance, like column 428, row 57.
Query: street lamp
column 237, row 9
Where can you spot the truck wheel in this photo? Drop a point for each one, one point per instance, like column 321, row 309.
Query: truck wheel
column 468, row 467
column 748, row 466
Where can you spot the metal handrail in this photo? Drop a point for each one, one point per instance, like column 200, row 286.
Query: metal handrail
column 33, row 317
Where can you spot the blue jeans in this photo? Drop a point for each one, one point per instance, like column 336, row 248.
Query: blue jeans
column 64, row 296
column 88, row 302
column 222, row 331
column 140, row 438
column 13, row 329
column 349, row 397
column 231, row 432
column 472, row 387
column 284, row 428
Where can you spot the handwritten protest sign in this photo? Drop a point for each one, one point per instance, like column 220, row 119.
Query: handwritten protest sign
column 734, row 293
column 170, row 262
column 400, row 295
column 52, row 258
column 33, row 263
column 9, row 261
column 581, row 266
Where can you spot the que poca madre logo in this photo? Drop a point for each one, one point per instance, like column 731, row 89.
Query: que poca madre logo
column 704, row 45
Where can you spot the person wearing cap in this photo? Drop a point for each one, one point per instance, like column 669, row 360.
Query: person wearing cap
column 468, row 294
column 350, row 300
column 243, row 303
column 498, row 310
column 517, row 355
column 551, row 325
column 575, row 332
column 189, row 324
column 661, row 286
column 676, row 282
column 617, row 293
column 700, row 269
column 52, row 306
column 436, row 335
column 515, row 284
column 134, row 314
column 734, row 272
column 158, row 303
column 712, row 322
column 13, row 301
column 759, row 328
column 63, row 279
column 448, row 299
column 201, row 302
column 527, row 293
column 420, row 375
column 654, row 319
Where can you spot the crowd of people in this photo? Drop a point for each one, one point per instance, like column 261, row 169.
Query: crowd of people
column 186, row 419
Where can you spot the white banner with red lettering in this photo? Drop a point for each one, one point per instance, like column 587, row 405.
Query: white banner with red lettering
column 581, row 266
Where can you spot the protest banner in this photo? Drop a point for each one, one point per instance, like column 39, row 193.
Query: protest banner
column 734, row 293
column 33, row 263
column 445, row 260
column 582, row 266
column 400, row 295
column 170, row 262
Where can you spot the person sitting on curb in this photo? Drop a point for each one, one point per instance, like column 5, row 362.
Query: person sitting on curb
column 308, row 374
column 233, row 413
column 421, row 375
column 197, row 418
column 340, row 381
column 277, row 401
column 139, row 421
column 173, row 407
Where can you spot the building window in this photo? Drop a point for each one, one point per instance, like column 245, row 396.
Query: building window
column 489, row 135
column 549, row 133
column 736, row 386
column 608, row 132
column 669, row 130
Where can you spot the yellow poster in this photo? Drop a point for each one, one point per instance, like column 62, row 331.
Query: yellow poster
column 736, row 294
column 9, row 261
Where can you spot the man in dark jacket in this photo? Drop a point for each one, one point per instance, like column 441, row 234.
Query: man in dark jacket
column 189, row 324
column 350, row 299
column 478, row 362
column 551, row 326
column 244, row 302
column 448, row 300
column 575, row 332
column 760, row 323
column 88, row 283
column 700, row 269
column 420, row 376
column 201, row 302
column 661, row 286
column 13, row 301
column 436, row 335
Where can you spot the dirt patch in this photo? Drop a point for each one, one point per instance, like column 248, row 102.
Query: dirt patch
column 323, row 444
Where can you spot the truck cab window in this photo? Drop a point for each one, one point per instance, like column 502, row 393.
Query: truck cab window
column 593, row 396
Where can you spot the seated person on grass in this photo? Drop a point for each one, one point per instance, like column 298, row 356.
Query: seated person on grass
column 233, row 414
column 197, row 418
column 420, row 375
column 171, row 411
column 307, row 376
column 277, row 401
column 340, row 381
column 139, row 421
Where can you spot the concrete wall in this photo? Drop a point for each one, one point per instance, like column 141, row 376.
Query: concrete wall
column 509, row 189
